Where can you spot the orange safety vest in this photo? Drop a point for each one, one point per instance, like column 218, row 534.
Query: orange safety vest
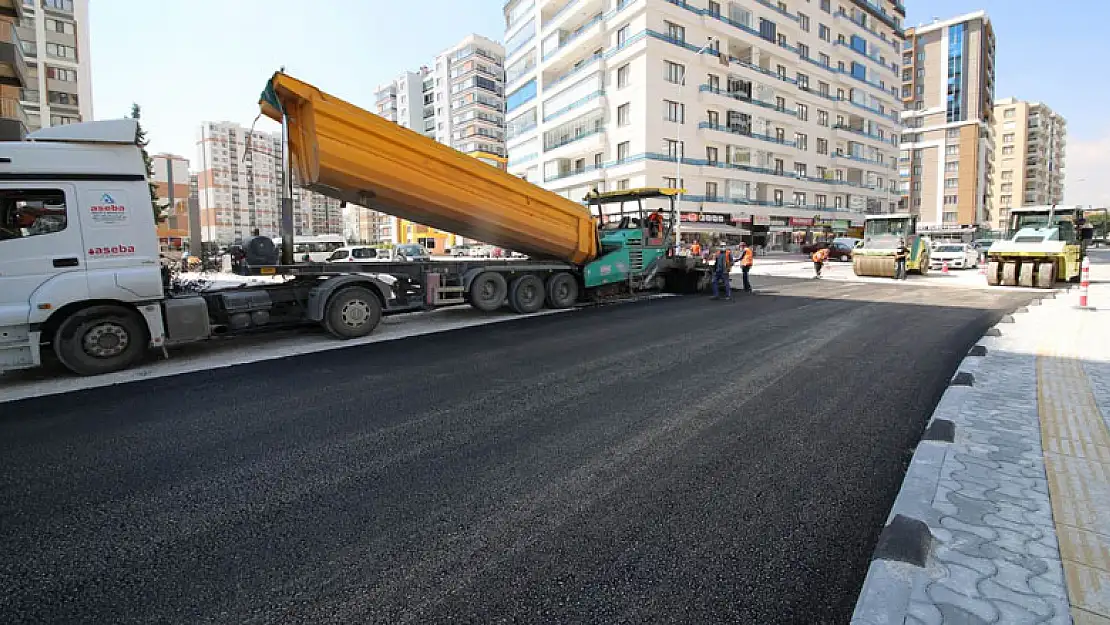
column 695, row 249
column 820, row 256
column 747, row 258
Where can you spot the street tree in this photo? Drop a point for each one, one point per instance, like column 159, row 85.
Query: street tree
column 142, row 141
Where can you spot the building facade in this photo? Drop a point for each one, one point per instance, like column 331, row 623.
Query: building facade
column 54, row 38
column 947, row 158
column 1029, row 156
column 240, row 187
column 170, row 176
column 774, row 116
column 458, row 100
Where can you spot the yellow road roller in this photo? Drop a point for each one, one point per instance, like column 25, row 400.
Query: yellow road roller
column 1042, row 247
column 881, row 233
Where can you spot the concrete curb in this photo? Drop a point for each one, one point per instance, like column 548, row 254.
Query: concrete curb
column 901, row 557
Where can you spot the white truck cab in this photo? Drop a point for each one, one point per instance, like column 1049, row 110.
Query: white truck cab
column 78, row 259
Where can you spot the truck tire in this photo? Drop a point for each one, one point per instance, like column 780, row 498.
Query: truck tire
column 488, row 291
column 1009, row 273
column 100, row 339
column 526, row 294
column 352, row 312
column 994, row 277
column 1026, row 275
column 562, row 290
column 1046, row 275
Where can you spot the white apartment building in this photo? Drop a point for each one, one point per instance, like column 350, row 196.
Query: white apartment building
column 54, row 37
column 240, row 187
column 785, row 113
column 458, row 100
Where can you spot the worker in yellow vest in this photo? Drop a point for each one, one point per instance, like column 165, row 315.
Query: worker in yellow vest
column 819, row 257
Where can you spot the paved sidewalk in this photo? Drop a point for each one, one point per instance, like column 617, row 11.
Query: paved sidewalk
column 1004, row 514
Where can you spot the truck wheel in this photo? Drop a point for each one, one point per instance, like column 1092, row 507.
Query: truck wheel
column 353, row 312
column 526, row 295
column 100, row 339
column 487, row 291
column 993, row 278
column 1046, row 275
column 1009, row 273
column 562, row 290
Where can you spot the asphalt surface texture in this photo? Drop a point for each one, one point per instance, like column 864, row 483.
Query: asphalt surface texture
column 676, row 460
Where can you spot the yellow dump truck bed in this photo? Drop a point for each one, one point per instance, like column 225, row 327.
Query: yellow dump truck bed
column 351, row 154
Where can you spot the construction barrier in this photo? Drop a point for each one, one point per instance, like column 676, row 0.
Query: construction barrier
column 1084, row 282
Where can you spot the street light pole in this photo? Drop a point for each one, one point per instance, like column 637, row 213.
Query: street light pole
column 680, row 150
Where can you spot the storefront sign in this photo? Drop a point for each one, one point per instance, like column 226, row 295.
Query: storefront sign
column 841, row 224
column 761, row 220
column 780, row 221
column 709, row 218
column 801, row 221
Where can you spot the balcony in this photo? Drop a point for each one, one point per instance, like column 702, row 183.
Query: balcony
column 743, row 132
column 561, row 39
column 12, row 8
column 13, row 120
column 13, row 67
column 586, row 104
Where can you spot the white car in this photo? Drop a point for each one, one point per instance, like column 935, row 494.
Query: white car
column 957, row 255
column 360, row 254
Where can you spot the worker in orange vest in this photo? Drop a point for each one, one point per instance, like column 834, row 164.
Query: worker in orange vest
column 695, row 249
column 819, row 257
column 747, row 258
column 655, row 223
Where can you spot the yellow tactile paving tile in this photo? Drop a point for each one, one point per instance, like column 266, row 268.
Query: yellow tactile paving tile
column 1077, row 460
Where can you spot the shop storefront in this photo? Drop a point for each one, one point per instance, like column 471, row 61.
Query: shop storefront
column 712, row 228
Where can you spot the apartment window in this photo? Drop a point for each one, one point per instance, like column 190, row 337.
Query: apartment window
column 780, row 104
column 952, row 168
column 780, row 70
column 674, row 112
column 951, row 199
column 799, row 198
column 714, row 8
column 822, row 146
column 1009, row 113
column 622, row 75
column 780, row 135
column 1007, row 187
column 801, row 140
column 714, row 118
column 1008, row 137
column 822, row 200
column 60, row 5
column 711, row 191
column 1008, row 175
column 778, row 197
column 951, row 150
column 951, row 183
column 59, row 26
column 711, row 155
column 622, row 184
column 622, row 35
column 826, row 6
column 779, row 166
column 953, row 133
column 62, row 120
column 673, row 72
column 672, row 148
column 823, row 88
column 676, row 32
column 61, row 97
column 1007, row 150
column 671, row 183
column 624, row 114
column 803, row 51
column 803, row 112
column 1007, row 200
column 801, row 169
column 61, row 51
column 803, row 21
column 824, row 32
column 822, row 118
column 822, row 172
column 803, row 80
column 624, row 148
column 823, row 59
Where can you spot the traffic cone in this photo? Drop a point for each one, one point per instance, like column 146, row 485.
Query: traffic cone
column 945, row 269
column 1084, row 282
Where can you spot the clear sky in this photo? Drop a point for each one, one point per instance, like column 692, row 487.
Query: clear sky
column 187, row 62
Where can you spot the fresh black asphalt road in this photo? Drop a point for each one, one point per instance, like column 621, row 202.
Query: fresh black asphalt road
column 674, row 460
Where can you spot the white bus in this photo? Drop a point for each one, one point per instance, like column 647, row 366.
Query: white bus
column 318, row 248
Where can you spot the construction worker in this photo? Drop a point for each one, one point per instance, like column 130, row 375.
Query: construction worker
column 721, row 269
column 747, row 258
column 655, row 223
column 695, row 249
column 901, row 254
column 819, row 257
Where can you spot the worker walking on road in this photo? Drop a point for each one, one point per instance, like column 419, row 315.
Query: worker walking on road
column 900, row 256
column 747, row 258
column 721, row 269
column 819, row 257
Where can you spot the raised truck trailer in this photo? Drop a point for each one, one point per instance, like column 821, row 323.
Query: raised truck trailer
column 1043, row 246
column 79, row 258
column 875, row 255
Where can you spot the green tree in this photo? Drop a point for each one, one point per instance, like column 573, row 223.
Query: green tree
column 142, row 141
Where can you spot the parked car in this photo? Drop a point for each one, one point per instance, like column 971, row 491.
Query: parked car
column 841, row 250
column 460, row 250
column 360, row 254
column 957, row 255
column 411, row 251
column 810, row 248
